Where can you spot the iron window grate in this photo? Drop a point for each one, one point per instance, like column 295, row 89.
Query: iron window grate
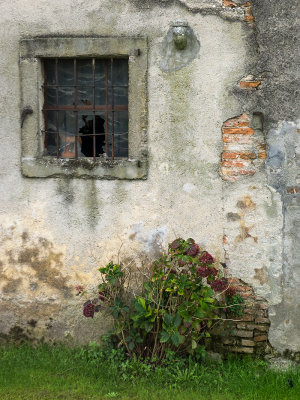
column 86, row 107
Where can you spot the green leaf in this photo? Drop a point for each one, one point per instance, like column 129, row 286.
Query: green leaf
column 115, row 312
column 168, row 319
column 149, row 312
column 131, row 346
column 175, row 339
column 147, row 327
column 194, row 344
column 164, row 337
column 181, row 339
column 139, row 308
column 142, row 302
column 209, row 300
column 177, row 320
column 187, row 319
column 199, row 313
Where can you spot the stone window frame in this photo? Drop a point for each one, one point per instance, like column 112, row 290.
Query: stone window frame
column 33, row 161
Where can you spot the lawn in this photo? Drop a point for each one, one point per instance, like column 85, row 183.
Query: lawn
column 63, row 373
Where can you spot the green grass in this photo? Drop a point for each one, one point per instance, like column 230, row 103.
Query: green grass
column 63, row 373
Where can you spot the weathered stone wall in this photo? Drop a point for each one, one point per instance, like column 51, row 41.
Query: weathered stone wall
column 245, row 334
column 222, row 154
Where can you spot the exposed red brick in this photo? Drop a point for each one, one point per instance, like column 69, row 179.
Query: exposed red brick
column 233, row 123
column 236, row 139
column 238, row 130
column 292, row 189
column 242, row 117
column 245, row 172
column 262, row 155
column 249, row 84
column 227, row 155
column 243, row 123
column 228, row 3
column 249, row 18
column 233, row 163
column 230, row 172
column 248, row 156
column 238, row 142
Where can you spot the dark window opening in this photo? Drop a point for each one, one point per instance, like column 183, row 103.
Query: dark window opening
column 86, row 107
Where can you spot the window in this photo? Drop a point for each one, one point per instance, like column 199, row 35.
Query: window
column 89, row 102
column 86, row 107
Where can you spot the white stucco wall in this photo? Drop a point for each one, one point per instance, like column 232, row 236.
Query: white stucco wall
column 55, row 231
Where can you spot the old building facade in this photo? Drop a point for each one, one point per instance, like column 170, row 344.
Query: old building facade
column 211, row 150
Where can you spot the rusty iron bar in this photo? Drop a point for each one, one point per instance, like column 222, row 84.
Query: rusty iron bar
column 87, row 108
column 113, row 112
column 94, row 115
column 106, row 107
column 45, row 112
column 56, row 113
column 75, row 108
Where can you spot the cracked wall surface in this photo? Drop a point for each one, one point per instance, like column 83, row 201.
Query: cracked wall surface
column 56, row 231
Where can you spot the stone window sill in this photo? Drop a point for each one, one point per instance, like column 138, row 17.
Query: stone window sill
column 84, row 168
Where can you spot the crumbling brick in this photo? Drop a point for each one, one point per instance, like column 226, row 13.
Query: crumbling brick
column 246, row 350
column 240, row 148
column 250, row 84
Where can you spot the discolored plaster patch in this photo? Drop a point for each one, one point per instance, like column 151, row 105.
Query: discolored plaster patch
column 261, row 275
column 25, row 236
column 246, row 205
column 233, row 216
column 12, row 285
column 46, row 263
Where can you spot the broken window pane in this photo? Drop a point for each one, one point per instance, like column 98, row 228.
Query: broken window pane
column 92, row 138
column 81, row 117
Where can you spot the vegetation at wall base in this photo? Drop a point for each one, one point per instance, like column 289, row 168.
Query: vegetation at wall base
column 171, row 306
column 57, row 372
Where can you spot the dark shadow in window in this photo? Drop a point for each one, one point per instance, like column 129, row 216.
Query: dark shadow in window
column 87, row 132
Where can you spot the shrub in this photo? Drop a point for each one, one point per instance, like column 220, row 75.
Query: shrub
column 178, row 302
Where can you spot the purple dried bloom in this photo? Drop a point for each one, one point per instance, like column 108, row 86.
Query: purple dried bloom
column 203, row 271
column 193, row 250
column 89, row 310
column 207, row 258
column 219, row 285
column 175, row 244
column 213, row 271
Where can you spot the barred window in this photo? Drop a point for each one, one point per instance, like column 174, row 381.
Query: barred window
column 86, row 107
